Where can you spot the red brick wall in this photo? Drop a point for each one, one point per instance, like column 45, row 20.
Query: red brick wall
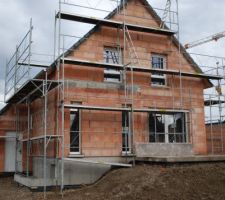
column 147, row 96
column 7, row 124
column 2, row 155
column 108, row 124
column 37, row 128
column 101, row 130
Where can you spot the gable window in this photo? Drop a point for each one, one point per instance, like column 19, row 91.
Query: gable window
column 158, row 62
column 167, row 127
column 112, row 56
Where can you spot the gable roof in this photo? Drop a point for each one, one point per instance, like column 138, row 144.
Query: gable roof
column 153, row 13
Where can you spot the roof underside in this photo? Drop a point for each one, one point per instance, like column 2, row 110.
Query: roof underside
column 31, row 90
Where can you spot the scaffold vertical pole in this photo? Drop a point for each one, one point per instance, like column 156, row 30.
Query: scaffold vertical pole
column 45, row 95
column 28, row 137
column 61, row 95
column 5, row 85
column 211, row 124
column 179, row 55
column 16, row 67
column 29, row 54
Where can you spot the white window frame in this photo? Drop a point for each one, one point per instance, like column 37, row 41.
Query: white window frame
column 108, row 72
column 155, row 75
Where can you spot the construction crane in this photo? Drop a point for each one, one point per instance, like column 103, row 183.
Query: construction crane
column 214, row 37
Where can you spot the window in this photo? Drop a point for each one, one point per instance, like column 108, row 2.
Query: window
column 75, row 131
column 126, row 140
column 167, row 128
column 158, row 62
column 112, row 56
column 157, row 128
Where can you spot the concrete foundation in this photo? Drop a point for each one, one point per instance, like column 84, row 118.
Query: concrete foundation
column 162, row 149
column 76, row 172
column 33, row 182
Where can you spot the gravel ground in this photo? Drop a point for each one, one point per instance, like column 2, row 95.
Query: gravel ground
column 183, row 182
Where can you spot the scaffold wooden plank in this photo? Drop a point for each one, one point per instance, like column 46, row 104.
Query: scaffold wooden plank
column 41, row 137
column 97, row 162
column 112, row 23
column 127, row 109
column 87, row 107
column 138, row 69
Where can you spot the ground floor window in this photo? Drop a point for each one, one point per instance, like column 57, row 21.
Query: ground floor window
column 126, row 136
column 75, row 131
column 167, row 127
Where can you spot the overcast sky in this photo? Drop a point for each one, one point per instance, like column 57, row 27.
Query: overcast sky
column 198, row 18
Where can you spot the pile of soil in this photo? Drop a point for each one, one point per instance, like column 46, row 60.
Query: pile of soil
column 182, row 182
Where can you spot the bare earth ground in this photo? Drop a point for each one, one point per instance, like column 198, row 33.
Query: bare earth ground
column 186, row 182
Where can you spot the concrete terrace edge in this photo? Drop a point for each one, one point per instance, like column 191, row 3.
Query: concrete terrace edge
column 184, row 159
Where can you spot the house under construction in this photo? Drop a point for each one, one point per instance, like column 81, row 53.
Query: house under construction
column 127, row 90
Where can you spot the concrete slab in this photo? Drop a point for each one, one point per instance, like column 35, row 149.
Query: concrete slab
column 163, row 150
column 33, row 182
column 183, row 159
column 99, row 85
column 76, row 172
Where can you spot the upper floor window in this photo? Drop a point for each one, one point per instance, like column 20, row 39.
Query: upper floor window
column 158, row 62
column 112, row 56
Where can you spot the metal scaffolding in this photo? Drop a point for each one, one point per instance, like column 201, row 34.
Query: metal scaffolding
column 23, row 90
column 215, row 122
column 125, row 64
column 130, row 61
